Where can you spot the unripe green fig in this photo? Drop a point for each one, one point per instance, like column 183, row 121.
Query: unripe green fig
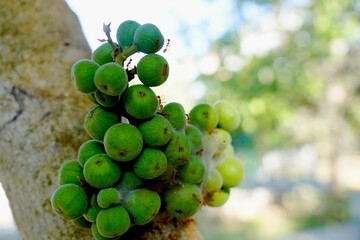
column 204, row 116
column 123, row 142
column 229, row 150
column 218, row 198
column 153, row 70
column 98, row 120
column 91, row 97
column 193, row 171
column 111, row 79
column 108, row 197
column 213, row 181
column 150, row 164
column 82, row 75
column 88, row 149
column 231, row 170
column 103, row 54
column 229, row 117
column 175, row 113
column 148, row 38
column 195, row 137
column 106, row 100
column 92, row 213
column 71, row 172
column 69, row 201
column 157, row 131
column 129, row 181
column 183, row 201
column 113, row 222
column 81, row 222
column 93, row 209
column 142, row 204
column 101, row 172
column 219, row 139
column 140, row 101
column 125, row 33
column 97, row 235
column 178, row 149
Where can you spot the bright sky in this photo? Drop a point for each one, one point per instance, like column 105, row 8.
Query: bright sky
column 170, row 16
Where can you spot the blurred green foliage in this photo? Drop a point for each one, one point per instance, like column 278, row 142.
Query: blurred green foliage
column 316, row 38
column 285, row 65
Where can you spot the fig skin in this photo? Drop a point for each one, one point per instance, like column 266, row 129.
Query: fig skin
column 69, row 201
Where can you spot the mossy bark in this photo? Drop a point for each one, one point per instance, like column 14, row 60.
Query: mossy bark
column 41, row 120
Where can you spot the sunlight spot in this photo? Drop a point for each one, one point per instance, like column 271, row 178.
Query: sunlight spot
column 197, row 90
column 234, row 63
column 246, row 205
column 347, row 169
column 249, row 125
column 260, row 43
column 209, row 63
column 339, row 47
column 280, row 63
column 302, row 38
column 257, row 106
column 223, row 74
column 266, row 75
column 291, row 20
column 336, row 93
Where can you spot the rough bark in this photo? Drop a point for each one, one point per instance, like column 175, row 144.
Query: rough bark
column 41, row 120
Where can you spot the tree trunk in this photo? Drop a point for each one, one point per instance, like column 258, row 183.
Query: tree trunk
column 41, row 120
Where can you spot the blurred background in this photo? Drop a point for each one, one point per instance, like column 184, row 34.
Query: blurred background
column 292, row 68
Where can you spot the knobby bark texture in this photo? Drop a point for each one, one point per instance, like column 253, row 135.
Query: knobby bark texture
column 41, row 120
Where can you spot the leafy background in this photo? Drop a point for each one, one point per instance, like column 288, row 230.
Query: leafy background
column 298, row 94
column 291, row 67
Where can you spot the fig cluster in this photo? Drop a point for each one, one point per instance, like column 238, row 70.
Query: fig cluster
column 143, row 157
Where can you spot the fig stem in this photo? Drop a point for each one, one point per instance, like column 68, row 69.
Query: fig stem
column 107, row 30
column 125, row 53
